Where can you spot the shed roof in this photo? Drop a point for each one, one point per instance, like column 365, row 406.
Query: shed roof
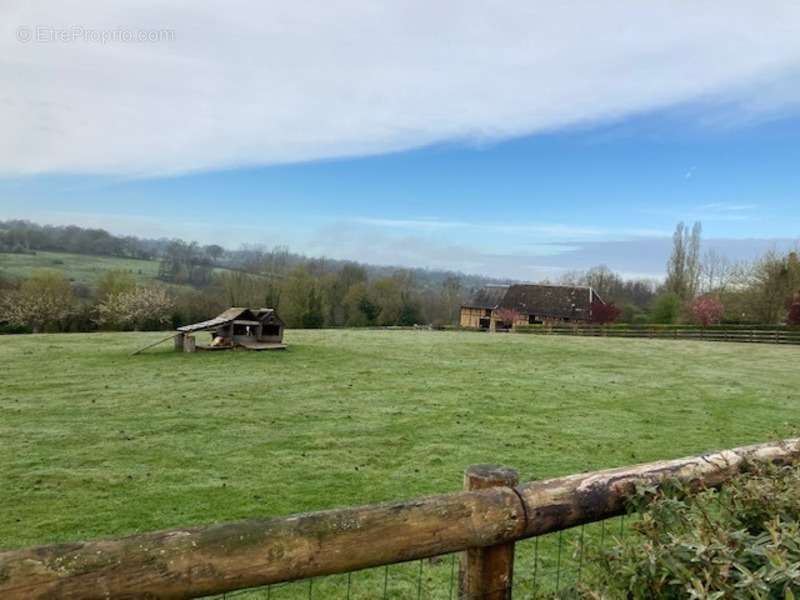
column 268, row 315
column 232, row 314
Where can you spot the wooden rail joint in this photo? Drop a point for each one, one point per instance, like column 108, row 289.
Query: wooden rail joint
column 488, row 572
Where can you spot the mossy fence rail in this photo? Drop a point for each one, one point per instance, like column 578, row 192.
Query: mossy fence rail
column 709, row 334
column 483, row 523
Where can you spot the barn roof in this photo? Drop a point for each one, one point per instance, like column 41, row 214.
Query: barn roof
column 232, row 314
column 550, row 300
column 562, row 301
column 488, row 296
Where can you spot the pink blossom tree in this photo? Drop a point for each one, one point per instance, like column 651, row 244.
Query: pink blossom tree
column 507, row 316
column 706, row 310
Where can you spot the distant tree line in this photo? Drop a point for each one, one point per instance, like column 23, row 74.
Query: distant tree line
column 189, row 262
column 306, row 295
column 197, row 282
column 24, row 237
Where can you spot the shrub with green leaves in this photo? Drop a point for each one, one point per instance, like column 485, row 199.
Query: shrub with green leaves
column 740, row 542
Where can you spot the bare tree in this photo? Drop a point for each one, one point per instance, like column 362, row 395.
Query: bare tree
column 693, row 260
column 762, row 289
column 776, row 279
column 716, row 272
column 676, row 267
column 683, row 268
column 611, row 286
column 452, row 292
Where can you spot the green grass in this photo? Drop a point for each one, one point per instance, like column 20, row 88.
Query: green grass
column 80, row 268
column 97, row 443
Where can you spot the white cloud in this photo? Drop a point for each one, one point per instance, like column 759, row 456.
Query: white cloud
column 726, row 207
column 417, row 224
column 544, row 231
column 710, row 212
column 246, row 83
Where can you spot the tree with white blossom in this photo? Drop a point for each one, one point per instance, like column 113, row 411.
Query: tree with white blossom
column 44, row 299
column 136, row 308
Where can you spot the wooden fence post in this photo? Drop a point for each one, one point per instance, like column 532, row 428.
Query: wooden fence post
column 179, row 341
column 487, row 573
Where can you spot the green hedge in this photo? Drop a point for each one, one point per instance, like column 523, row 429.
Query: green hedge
column 740, row 542
column 8, row 328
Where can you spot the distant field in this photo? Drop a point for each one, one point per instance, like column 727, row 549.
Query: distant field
column 97, row 443
column 80, row 268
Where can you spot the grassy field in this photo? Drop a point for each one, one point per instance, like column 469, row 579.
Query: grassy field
column 80, row 268
column 97, row 443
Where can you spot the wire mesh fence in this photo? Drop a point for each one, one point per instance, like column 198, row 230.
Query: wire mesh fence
column 422, row 579
column 546, row 566
column 554, row 564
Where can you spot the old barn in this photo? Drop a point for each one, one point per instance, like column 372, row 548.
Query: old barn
column 247, row 328
column 508, row 306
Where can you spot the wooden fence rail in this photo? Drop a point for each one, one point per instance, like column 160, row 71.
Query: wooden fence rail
column 188, row 563
column 714, row 334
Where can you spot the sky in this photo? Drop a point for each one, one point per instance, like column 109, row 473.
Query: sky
column 507, row 139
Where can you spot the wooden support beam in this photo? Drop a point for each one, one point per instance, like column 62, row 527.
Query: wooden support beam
column 140, row 350
column 487, row 573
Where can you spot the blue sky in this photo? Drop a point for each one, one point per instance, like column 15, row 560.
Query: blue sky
column 535, row 152
column 552, row 201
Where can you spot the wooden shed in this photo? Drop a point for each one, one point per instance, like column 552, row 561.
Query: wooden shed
column 247, row 328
